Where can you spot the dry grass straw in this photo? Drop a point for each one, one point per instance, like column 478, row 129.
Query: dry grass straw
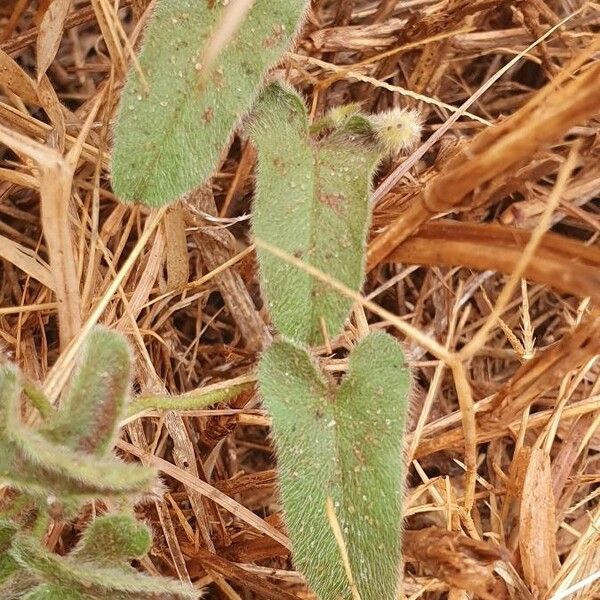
column 484, row 260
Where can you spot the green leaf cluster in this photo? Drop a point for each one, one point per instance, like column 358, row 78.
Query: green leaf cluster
column 64, row 463
column 343, row 442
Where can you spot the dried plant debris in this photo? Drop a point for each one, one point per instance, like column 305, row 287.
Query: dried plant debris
column 450, row 218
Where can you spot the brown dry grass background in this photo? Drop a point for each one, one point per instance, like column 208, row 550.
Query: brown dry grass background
column 499, row 317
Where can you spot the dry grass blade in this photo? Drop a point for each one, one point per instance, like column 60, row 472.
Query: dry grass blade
column 51, row 30
column 558, row 262
column 57, row 378
column 458, row 560
column 537, row 522
column 55, row 179
column 178, row 271
column 28, row 261
column 208, row 491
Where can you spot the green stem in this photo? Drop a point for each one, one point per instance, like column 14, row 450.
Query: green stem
column 196, row 400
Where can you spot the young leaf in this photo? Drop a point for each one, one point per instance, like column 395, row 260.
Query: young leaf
column 41, row 468
column 349, row 449
column 170, row 134
column 392, row 131
column 31, row 463
column 311, row 201
column 88, row 416
column 114, row 539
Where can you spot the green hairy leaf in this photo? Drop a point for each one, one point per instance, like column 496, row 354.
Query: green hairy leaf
column 343, row 443
column 88, row 416
column 174, row 123
column 371, row 408
column 71, row 460
column 312, row 201
column 300, row 404
column 113, row 539
column 93, row 580
column 8, row 531
column 53, row 592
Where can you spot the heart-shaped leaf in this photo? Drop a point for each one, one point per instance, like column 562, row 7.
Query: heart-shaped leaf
column 312, row 201
column 346, row 444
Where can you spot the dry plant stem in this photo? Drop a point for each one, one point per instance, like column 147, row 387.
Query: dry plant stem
column 402, row 169
column 208, row 491
column 177, row 263
column 465, row 401
column 344, row 71
column 107, row 23
column 493, row 152
column 55, row 176
column 558, row 262
column 216, row 248
column 477, row 341
column 80, row 16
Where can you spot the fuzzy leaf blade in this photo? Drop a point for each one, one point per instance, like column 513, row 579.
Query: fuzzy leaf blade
column 114, row 539
column 312, row 202
column 93, row 580
column 345, row 444
column 53, row 592
column 88, row 416
column 370, row 410
column 169, row 136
